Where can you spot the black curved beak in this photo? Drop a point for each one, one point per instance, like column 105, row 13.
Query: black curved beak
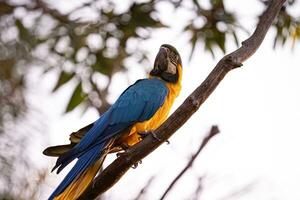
column 160, row 63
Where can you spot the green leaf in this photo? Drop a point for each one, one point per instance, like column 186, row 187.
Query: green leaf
column 64, row 77
column 103, row 64
column 25, row 34
column 76, row 98
column 220, row 41
column 236, row 40
column 193, row 42
column 85, row 107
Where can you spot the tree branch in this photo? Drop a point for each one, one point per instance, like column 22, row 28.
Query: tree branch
column 119, row 167
column 213, row 131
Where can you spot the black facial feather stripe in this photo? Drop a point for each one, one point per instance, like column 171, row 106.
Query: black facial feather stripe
column 173, row 62
column 173, row 58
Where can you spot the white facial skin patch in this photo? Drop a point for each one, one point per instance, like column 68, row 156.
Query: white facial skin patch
column 172, row 69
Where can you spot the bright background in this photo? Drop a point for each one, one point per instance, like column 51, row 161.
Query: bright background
column 256, row 155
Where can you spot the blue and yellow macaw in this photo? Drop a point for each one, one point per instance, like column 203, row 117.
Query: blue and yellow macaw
column 141, row 108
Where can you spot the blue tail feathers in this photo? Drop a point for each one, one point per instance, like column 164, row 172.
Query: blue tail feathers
column 83, row 162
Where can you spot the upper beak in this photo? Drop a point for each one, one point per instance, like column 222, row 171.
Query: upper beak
column 161, row 61
column 162, row 52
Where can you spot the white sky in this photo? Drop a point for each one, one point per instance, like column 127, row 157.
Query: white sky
column 256, row 107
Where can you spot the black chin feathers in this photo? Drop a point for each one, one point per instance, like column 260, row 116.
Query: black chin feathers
column 172, row 78
column 168, row 77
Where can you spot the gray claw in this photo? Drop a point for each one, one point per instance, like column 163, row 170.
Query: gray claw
column 135, row 165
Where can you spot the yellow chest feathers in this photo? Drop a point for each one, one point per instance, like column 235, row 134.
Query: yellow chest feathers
column 159, row 117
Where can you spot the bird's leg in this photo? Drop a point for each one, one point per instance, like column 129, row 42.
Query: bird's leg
column 144, row 134
column 125, row 148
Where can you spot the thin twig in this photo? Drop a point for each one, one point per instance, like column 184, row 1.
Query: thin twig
column 237, row 193
column 122, row 164
column 143, row 191
column 213, row 131
column 199, row 188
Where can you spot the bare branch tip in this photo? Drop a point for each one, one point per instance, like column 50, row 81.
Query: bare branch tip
column 214, row 130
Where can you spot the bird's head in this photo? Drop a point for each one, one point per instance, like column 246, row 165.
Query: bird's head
column 167, row 63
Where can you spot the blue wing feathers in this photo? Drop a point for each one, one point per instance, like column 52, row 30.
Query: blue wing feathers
column 137, row 103
column 131, row 104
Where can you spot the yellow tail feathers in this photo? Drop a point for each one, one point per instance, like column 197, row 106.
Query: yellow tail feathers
column 79, row 185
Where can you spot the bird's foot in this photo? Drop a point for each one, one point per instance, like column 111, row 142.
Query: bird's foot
column 121, row 153
column 126, row 151
column 146, row 133
column 125, row 146
column 135, row 165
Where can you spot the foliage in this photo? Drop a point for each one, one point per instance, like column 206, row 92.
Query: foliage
column 217, row 24
column 286, row 25
column 81, row 48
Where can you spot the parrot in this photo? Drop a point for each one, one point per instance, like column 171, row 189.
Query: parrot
column 138, row 111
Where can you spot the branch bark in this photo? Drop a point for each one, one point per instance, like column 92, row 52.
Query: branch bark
column 110, row 175
column 213, row 131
